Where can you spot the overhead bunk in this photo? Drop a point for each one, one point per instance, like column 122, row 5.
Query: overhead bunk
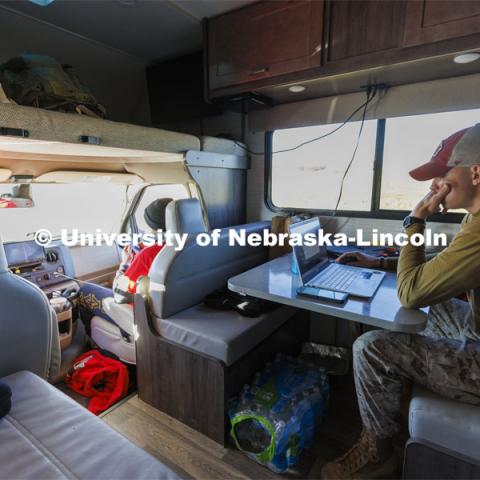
column 27, row 131
column 36, row 142
column 39, row 145
column 40, row 124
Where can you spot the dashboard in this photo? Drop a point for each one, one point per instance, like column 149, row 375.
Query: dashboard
column 53, row 269
column 35, row 263
column 49, row 267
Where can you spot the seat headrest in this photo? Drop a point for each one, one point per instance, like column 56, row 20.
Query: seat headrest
column 185, row 216
column 3, row 258
column 154, row 214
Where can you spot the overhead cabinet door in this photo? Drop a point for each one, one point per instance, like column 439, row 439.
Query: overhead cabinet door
column 263, row 40
column 430, row 21
column 358, row 28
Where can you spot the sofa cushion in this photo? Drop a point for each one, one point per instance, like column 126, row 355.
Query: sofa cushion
column 224, row 335
column 48, row 435
column 5, row 399
column 444, row 422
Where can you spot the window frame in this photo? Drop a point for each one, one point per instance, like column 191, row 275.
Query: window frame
column 129, row 223
column 375, row 211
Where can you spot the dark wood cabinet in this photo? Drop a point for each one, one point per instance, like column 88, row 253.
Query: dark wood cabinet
column 275, row 43
column 429, row 21
column 356, row 28
column 263, row 40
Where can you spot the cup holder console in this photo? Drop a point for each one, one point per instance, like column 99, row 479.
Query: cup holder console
column 63, row 310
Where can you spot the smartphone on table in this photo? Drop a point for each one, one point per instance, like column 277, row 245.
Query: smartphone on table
column 322, row 294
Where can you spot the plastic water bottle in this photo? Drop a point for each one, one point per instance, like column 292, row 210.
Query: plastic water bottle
column 294, row 266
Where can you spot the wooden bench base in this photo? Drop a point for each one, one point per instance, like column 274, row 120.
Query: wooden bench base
column 193, row 387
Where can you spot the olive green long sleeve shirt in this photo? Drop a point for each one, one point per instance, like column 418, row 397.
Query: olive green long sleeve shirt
column 454, row 271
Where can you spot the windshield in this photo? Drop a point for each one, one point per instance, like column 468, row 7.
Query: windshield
column 83, row 206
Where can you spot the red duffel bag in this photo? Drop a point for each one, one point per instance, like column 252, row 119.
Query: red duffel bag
column 101, row 378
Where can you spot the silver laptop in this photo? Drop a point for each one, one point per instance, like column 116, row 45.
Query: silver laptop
column 316, row 270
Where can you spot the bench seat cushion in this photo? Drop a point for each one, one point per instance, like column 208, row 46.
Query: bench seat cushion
column 224, row 335
column 447, row 423
column 48, row 435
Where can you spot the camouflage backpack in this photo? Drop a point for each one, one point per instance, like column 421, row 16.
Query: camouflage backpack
column 40, row 81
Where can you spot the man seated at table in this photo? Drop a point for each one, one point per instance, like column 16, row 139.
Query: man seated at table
column 445, row 357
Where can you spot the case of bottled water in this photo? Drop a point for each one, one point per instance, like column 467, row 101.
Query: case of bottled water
column 274, row 418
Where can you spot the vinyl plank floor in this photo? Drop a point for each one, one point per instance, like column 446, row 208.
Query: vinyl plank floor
column 195, row 456
column 80, row 399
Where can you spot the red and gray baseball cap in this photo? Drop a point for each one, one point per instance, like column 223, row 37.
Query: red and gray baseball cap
column 461, row 149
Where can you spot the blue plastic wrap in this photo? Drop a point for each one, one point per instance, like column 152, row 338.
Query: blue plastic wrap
column 275, row 418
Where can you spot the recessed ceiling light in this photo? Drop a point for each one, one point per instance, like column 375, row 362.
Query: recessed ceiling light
column 466, row 57
column 130, row 3
column 42, row 3
column 296, row 88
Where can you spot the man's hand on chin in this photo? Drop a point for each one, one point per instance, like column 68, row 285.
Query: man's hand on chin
column 432, row 203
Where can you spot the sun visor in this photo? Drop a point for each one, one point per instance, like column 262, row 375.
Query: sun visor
column 171, row 172
column 88, row 177
column 5, row 175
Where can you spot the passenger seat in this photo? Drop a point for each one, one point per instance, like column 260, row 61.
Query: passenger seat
column 181, row 216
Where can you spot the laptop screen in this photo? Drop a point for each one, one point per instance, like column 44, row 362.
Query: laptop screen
column 311, row 259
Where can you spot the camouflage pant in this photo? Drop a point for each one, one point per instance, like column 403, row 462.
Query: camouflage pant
column 445, row 358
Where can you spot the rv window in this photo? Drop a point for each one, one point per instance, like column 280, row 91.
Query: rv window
column 152, row 193
column 310, row 177
column 409, row 142
column 83, row 206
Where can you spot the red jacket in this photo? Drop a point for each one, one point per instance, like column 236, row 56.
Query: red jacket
column 141, row 265
column 100, row 378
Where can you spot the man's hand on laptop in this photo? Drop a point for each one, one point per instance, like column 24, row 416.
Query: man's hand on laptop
column 432, row 203
column 359, row 259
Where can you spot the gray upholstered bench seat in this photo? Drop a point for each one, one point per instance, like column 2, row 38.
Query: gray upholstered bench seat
column 48, row 435
column 445, row 423
column 224, row 335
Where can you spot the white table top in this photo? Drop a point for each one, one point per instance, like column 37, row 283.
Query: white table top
column 275, row 281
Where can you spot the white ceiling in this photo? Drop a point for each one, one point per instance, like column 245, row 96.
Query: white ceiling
column 149, row 29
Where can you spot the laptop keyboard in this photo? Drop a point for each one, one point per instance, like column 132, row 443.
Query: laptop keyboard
column 336, row 277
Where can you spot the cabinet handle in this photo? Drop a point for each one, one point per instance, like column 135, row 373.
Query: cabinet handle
column 258, row 71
